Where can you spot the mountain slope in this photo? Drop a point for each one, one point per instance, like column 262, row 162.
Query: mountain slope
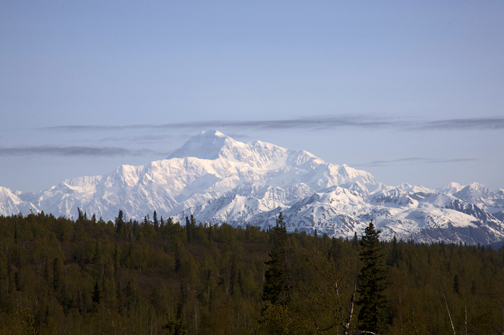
column 218, row 179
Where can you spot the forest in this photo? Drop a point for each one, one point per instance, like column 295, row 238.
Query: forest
column 157, row 276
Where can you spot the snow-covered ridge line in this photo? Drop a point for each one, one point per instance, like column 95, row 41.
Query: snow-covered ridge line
column 218, row 179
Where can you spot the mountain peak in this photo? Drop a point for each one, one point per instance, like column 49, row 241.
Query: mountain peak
column 474, row 189
column 206, row 145
column 213, row 145
column 212, row 133
column 451, row 188
column 474, row 193
column 476, row 186
column 225, row 180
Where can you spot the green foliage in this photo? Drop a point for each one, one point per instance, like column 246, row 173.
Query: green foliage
column 61, row 276
column 278, row 277
column 372, row 283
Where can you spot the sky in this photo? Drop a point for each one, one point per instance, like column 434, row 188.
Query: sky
column 408, row 91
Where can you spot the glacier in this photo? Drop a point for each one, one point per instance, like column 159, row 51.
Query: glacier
column 218, row 179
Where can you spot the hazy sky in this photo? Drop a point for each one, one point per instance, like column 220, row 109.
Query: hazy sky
column 409, row 91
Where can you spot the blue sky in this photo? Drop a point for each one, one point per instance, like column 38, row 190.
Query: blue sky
column 409, row 91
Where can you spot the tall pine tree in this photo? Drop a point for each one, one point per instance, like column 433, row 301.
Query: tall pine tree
column 279, row 280
column 372, row 283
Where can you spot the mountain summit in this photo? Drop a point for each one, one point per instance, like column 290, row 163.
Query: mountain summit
column 218, row 179
column 214, row 145
column 206, row 145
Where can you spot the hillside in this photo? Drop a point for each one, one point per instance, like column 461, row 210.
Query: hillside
column 60, row 276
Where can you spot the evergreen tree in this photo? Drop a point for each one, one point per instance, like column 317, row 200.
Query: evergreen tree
column 278, row 284
column 456, row 284
column 161, row 224
column 372, row 283
column 188, row 229
column 56, row 274
column 80, row 215
column 155, row 221
column 100, row 282
column 355, row 241
column 96, row 293
column 170, row 224
column 395, row 253
column 119, row 221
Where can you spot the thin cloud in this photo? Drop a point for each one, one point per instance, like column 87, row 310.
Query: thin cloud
column 315, row 123
column 463, row 124
column 137, row 139
column 75, row 151
column 415, row 160
column 303, row 123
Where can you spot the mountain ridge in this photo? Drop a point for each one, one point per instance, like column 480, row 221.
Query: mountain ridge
column 218, row 179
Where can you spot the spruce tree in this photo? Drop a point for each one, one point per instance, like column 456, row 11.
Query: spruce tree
column 189, row 229
column 155, row 221
column 372, row 283
column 278, row 284
column 119, row 222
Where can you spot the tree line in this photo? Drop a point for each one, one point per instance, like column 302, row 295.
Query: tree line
column 157, row 276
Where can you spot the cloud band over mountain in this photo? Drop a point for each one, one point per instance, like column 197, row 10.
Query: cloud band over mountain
column 415, row 160
column 316, row 123
column 73, row 151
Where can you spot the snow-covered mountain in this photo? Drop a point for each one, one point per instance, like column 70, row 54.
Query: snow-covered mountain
column 218, row 179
